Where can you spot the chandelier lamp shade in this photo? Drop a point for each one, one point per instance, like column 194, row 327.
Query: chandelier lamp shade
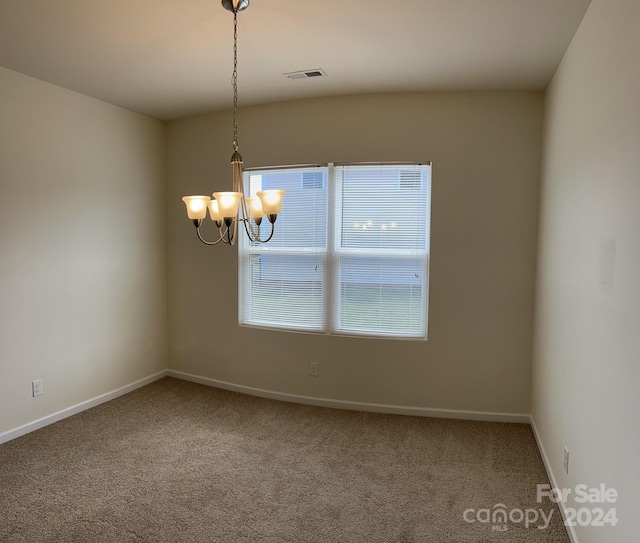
column 227, row 209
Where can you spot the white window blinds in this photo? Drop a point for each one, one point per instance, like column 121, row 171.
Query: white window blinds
column 381, row 249
column 282, row 282
column 350, row 252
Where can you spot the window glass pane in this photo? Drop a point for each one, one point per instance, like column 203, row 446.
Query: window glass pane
column 284, row 290
column 303, row 220
column 381, row 295
column 384, row 207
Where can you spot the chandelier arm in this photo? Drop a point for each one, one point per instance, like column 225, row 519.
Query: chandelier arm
column 246, row 217
column 256, row 237
column 220, row 233
column 251, row 232
column 273, row 228
column 232, row 235
column 209, row 242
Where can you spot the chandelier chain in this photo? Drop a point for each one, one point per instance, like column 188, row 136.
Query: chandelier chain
column 234, row 81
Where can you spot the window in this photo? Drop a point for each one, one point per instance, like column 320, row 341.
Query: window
column 349, row 254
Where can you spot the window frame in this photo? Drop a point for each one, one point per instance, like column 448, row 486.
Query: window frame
column 330, row 256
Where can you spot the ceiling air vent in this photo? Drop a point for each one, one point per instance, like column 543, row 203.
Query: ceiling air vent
column 306, row 74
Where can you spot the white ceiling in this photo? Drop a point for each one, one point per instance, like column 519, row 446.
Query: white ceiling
column 173, row 58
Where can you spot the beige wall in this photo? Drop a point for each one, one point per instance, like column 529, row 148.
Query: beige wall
column 485, row 150
column 82, row 248
column 587, row 327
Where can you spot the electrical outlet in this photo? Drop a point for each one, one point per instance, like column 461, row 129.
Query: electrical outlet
column 566, row 460
column 313, row 369
column 36, row 387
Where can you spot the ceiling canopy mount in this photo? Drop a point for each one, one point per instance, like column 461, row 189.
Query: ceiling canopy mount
column 235, row 6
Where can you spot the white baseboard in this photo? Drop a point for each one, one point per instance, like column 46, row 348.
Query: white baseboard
column 552, row 479
column 354, row 406
column 282, row 396
column 74, row 409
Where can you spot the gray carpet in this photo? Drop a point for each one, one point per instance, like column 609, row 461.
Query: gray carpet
column 179, row 462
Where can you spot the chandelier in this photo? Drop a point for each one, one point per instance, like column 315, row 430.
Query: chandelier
column 227, row 209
